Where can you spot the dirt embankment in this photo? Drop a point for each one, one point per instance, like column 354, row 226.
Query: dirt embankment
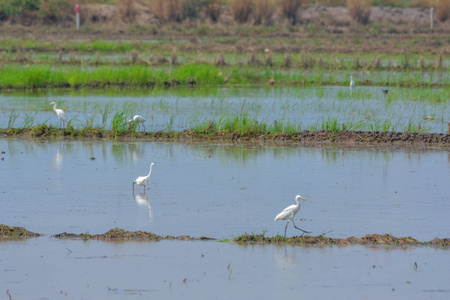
column 344, row 138
column 320, row 137
column 8, row 232
column 370, row 240
column 118, row 234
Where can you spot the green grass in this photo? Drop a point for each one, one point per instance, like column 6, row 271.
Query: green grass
column 16, row 76
column 12, row 119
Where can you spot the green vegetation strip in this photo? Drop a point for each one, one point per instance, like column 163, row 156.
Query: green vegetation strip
column 75, row 77
column 8, row 232
column 343, row 137
column 370, row 239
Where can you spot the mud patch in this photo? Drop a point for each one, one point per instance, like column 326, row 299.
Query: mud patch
column 118, row 234
column 370, row 239
column 319, row 137
column 8, row 232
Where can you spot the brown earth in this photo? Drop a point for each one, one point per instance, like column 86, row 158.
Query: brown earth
column 343, row 138
column 320, row 29
column 121, row 16
column 8, row 232
column 370, row 239
column 118, row 234
column 320, row 137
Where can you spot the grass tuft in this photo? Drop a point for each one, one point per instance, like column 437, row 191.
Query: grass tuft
column 359, row 10
column 289, row 9
column 442, row 10
column 241, row 10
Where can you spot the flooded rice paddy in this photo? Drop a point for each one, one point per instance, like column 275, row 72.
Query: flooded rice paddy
column 48, row 269
column 220, row 191
column 366, row 108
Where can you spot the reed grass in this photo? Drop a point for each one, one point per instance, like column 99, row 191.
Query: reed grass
column 119, row 123
column 240, row 124
column 310, row 61
column 12, row 119
column 359, row 10
column 442, row 10
column 289, row 9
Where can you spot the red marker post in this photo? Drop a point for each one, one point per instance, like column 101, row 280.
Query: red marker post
column 77, row 13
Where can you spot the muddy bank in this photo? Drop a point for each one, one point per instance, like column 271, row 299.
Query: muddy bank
column 8, row 232
column 320, row 137
column 118, row 234
column 370, row 239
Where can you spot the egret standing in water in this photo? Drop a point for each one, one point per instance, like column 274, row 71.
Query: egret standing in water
column 143, row 180
column 352, row 83
column 60, row 113
column 137, row 119
column 289, row 213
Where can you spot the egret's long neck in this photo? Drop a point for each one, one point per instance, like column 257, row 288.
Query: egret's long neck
column 150, row 172
column 54, row 107
column 299, row 203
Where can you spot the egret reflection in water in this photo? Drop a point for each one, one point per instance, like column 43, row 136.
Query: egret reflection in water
column 285, row 259
column 59, row 157
column 142, row 200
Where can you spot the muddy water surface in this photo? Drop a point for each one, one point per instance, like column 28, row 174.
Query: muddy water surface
column 220, row 191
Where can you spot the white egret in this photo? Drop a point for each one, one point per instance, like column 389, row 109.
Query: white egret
column 137, row 119
column 143, row 180
column 289, row 213
column 60, row 113
column 352, row 83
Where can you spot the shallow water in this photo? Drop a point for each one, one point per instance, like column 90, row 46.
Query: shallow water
column 45, row 268
column 177, row 109
column 220, row 191
column 223, row 190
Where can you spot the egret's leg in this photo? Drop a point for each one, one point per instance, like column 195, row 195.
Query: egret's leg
column 285, row 228
column 144, row 189
column 144, row 126
column 304, row 231
column 133, row 186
